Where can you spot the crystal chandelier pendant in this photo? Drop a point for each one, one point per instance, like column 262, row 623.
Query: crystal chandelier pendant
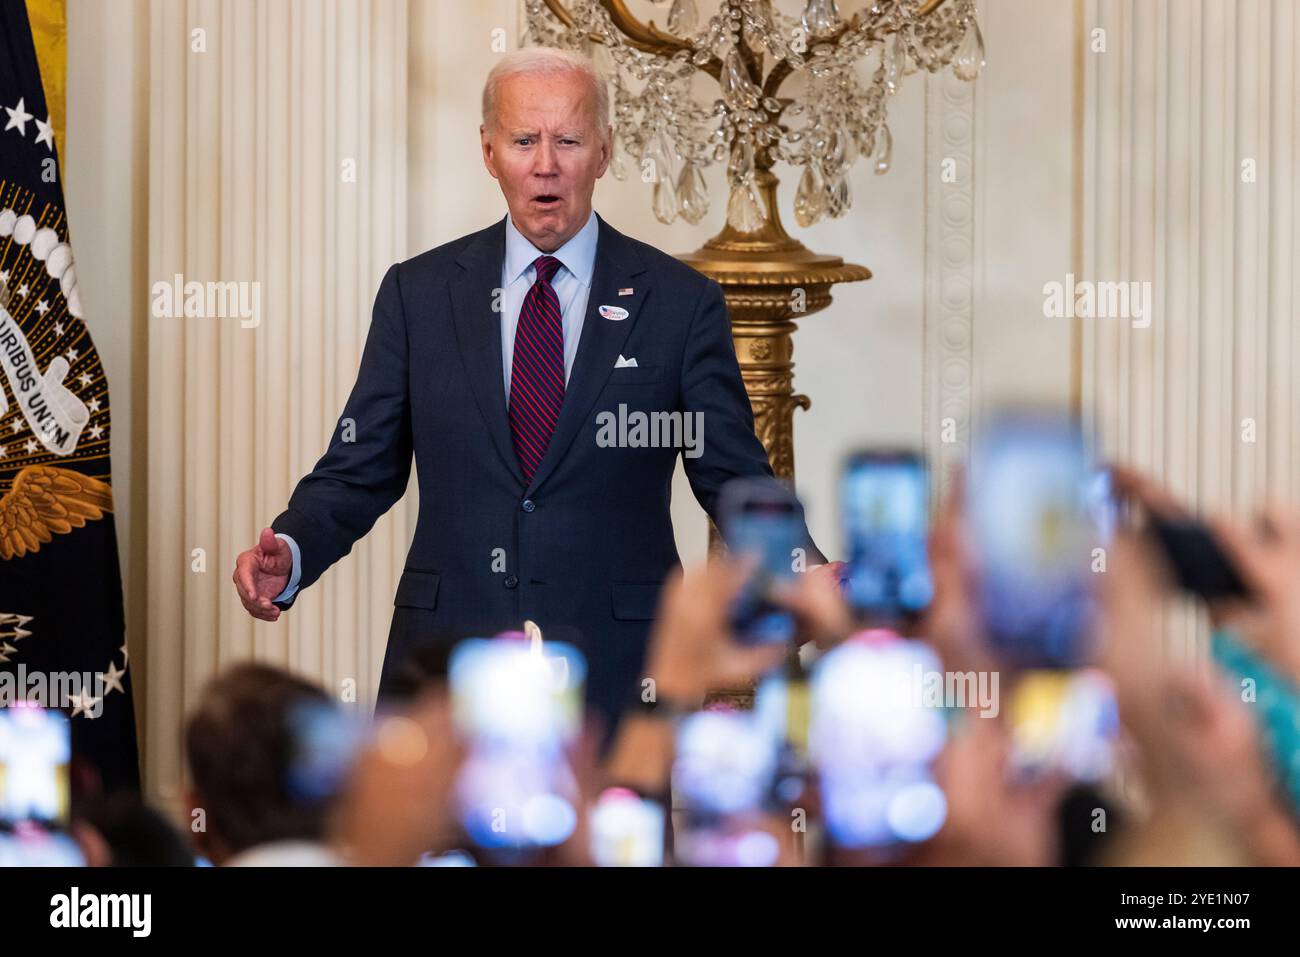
column 884, row 149
column 821, row 18
column 738, row 92
column 682, row 18
column 692, row 196
column 810, row 197
column 970, row 55
column 618, row 159
column 745, row 210
column 910, row 64
column 838, row 199
column 665, row 202
column 893, row 56
column 660, row 171
column 840, row 151
column 655, row 165
column 741, row 167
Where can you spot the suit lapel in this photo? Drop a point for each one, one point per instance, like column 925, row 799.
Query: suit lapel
column 601, row 342
column 478, row 335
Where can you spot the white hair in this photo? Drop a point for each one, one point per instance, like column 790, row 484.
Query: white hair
column 534, row 61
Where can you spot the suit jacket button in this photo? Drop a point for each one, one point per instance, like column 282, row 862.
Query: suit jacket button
column 528, row 505
column 511, row 581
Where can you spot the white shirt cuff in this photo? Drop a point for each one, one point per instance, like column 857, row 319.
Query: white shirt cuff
column 294, row 578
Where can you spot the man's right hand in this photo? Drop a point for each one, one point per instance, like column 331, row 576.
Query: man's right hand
column 261, row 573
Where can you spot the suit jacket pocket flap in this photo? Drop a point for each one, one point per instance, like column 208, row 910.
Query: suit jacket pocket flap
column 418, row 590
column 635, row 601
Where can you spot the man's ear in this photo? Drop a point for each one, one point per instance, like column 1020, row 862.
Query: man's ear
column 485, row 142
column 606, row 151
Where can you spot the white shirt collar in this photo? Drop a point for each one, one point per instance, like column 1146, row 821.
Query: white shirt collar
column 578, row 255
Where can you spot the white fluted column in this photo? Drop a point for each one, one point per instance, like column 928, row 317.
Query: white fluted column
column 277, row 157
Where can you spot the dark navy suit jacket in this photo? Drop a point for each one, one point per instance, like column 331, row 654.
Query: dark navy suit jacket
column 587, row 543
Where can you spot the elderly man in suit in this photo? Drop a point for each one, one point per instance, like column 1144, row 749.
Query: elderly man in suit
column 508, row 363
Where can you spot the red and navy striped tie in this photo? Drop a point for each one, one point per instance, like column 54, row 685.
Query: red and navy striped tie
column 537, row 369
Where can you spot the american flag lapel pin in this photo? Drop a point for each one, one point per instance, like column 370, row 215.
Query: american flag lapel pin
column 627, row 291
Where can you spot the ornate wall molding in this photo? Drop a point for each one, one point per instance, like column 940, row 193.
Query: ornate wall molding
column 949, row 316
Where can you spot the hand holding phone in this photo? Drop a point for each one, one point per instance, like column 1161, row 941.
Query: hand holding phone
column 762, row 524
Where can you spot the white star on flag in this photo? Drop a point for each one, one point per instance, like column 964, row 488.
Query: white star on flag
column 58, row 328
column 45, row 134
column 82, row 703
column 18, row 116
column 31, row 447
column 72, row 355
column 95, row 432
column 84, row 379
column 22, row 291
column 42, row 307
column 93, row 405
column 113, row 678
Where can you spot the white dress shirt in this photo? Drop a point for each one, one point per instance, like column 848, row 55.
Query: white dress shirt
column 572, row 285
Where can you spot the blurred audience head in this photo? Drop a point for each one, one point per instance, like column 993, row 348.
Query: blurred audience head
column 242, row 743
column 122, row 831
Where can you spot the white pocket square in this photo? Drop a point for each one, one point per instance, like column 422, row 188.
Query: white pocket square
column 625, row 363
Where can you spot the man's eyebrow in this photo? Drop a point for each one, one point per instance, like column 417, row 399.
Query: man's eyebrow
column 570, row 134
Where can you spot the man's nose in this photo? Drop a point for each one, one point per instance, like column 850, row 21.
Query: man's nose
column 547, row 159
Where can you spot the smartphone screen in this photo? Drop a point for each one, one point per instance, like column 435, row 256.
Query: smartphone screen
column 883, row 501
column 1065, row 722
column 627, row 830
column 326, row 740
column 518, row 706
column 763, row 522
column 35, row 750
column 722, row 777
column 1033, row 539
column 874, row 737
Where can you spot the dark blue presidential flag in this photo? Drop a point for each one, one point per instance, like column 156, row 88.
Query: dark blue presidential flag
column 61, row 627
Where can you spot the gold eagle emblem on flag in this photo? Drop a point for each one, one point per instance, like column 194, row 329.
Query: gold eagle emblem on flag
column 45, row 501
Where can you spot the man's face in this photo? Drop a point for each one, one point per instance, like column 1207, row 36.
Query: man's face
column 547, row 154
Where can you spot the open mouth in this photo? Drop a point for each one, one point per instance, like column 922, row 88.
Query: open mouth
column 546, row 199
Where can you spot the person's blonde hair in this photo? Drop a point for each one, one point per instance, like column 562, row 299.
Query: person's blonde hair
column 533, row 61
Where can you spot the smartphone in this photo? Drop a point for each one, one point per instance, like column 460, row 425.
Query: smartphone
column 1033, row 539
column 762, row 521
column 325, row 741
column 627, row 830
column 722, row 775
column 874, row 737
column 518, row 707
column 35, row 751
column 1065, row 722
column 1199, row 564
column 31, row 845
column 884, row 505
column 1102, row 505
